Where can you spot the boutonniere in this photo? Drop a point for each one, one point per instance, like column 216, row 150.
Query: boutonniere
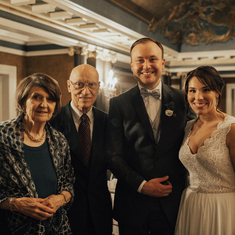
column 170, row 109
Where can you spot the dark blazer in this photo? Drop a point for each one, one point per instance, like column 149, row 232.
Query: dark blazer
column 134, row 155
column 91, row 191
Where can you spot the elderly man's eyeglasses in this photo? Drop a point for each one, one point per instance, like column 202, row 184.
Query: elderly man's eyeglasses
column 81, row 85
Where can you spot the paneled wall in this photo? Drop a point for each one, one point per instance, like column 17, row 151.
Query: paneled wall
column 57, row 66
column 14, row 60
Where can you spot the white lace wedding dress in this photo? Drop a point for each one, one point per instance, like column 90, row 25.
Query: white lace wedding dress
column 208, row 204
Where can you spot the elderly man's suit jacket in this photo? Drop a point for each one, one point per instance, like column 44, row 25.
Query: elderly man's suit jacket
column 134, row 155
column 91, row 190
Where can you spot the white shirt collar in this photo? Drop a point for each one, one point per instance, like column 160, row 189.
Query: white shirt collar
column 77, row 113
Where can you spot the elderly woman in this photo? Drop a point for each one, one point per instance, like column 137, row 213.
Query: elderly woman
column 36, row 176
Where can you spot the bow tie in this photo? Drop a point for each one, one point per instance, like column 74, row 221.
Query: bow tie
column 145, row 93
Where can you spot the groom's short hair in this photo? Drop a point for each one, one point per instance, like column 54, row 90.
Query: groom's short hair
column 145, row 40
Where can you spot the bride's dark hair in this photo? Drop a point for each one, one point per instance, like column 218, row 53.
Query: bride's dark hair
column 208, row 76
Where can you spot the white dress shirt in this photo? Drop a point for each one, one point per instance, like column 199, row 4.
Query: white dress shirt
column 77, row 117
column 152, row 106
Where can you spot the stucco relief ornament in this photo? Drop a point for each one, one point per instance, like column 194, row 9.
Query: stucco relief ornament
column 170, row 109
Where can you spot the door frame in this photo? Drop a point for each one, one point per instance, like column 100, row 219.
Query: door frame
column 10, row 71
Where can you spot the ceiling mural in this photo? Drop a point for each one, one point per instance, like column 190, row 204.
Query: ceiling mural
column 186, row 21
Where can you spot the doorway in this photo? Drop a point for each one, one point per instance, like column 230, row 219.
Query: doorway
column 7, row 92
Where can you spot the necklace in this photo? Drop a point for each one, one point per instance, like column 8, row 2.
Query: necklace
column 33, row 138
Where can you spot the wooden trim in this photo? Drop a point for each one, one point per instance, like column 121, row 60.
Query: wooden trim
column 134, row 9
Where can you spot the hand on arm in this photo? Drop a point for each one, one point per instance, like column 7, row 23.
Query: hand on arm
column 157, row 187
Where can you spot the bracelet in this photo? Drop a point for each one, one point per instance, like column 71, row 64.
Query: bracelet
column 64, row 198
column 12, row 199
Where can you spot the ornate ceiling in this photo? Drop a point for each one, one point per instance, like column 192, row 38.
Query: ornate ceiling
column 186, row 21
column 40, row 27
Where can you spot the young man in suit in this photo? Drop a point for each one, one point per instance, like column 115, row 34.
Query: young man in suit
column 84, row 126
column 146, row 129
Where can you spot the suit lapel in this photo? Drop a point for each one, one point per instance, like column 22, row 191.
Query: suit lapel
column 138, row 104
column 97, row 139
column 71, row 134
column 163, row 125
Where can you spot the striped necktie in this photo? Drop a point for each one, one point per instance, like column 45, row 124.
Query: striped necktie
column 84, row 133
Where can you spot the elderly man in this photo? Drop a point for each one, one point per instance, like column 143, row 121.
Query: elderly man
column 84, row 127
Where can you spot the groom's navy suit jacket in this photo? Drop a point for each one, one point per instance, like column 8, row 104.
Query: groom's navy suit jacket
column 91, row 191
column 134, row 155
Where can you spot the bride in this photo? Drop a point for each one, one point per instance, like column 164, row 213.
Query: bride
column 208, row 152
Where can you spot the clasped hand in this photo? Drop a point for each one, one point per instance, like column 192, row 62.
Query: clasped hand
column 38, row 208
column 157, row 187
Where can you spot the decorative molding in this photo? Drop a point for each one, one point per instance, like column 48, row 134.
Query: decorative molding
column 12, row 51
column 38, row 33
column 84, row 31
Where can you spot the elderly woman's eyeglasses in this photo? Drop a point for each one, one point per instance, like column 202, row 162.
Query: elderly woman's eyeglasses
column 81, row 85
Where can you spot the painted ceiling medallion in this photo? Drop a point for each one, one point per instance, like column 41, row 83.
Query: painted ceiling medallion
column 208, row 21
column 186, row 21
